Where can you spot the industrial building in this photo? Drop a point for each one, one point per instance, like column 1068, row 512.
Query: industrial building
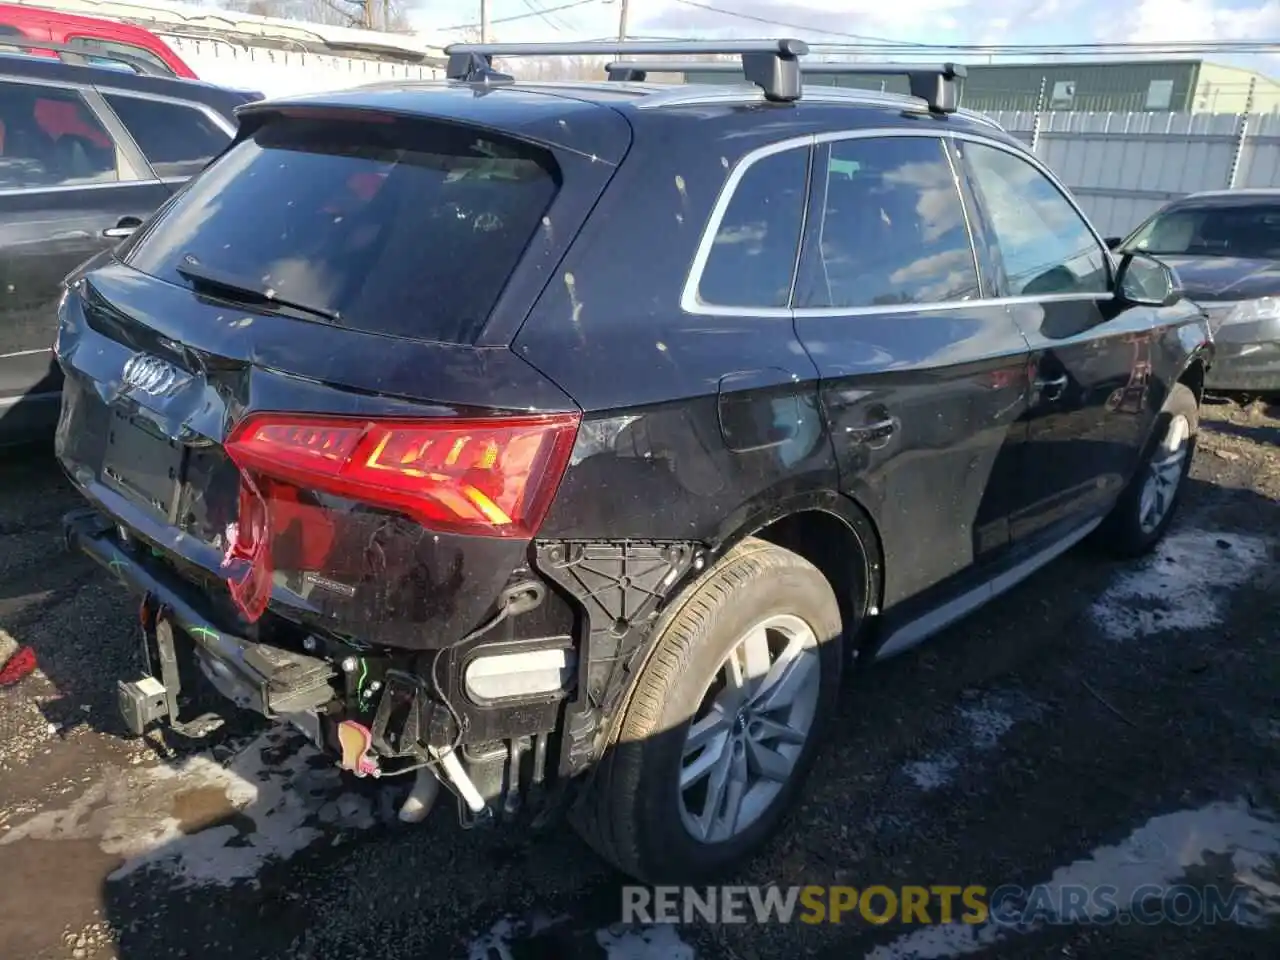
column 1158, row 86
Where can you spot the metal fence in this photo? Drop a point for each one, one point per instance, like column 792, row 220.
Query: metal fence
column 1122, row 167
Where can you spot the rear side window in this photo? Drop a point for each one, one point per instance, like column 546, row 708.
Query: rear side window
column 176, row 140
column 753, row 255
column 893, row 228
column 96, row 45
column 50, row 138
column 403, row 227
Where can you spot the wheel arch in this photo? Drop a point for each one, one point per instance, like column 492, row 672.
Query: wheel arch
column 1193, row 374
column 830, row 530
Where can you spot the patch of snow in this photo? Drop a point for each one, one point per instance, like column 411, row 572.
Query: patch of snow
column 275, row 798
column 495, row 944
column 650, row 942
column 986, row 722
column 1159, row 854
column 934, row 773
column 987, row 725
column 1184, row 585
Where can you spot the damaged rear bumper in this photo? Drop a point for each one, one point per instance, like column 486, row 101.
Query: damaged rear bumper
column 269, row 680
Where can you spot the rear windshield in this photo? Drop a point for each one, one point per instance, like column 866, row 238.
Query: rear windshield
column 400, row 227
column 1233, row 230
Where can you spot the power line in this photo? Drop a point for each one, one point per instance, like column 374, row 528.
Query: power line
column 791, row 26
column 518, row 16
column 879, row 45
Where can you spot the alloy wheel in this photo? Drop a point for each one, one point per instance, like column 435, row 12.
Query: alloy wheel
column 742, row 746
column 1164, row 474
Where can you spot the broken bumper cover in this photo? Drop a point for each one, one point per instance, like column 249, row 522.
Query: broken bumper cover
column 269, row 680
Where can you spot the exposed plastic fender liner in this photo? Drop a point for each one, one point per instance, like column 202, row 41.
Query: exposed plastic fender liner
column 640, row 642
column 620, row 586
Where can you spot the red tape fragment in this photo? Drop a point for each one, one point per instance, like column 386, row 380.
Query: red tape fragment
column 17, row 667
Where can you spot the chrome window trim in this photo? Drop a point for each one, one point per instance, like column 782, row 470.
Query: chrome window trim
column 219, row 120
column 691, row 303
column 948, row 151
column 130, row 170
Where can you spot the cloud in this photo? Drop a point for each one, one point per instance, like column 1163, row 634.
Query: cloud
column 1165, row 20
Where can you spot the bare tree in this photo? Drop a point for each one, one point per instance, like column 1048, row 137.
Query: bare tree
column 386, row 15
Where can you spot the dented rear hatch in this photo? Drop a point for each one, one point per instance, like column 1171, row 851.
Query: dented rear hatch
column 278, row 385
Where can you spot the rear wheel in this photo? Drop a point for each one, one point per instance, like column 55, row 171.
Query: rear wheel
column 1146, row 507
column 724, row 722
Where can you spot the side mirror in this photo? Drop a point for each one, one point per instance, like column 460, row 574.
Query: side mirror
column 1143, row 280
column 1113, row 243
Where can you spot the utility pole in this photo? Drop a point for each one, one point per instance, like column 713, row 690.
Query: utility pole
column 484, row 21
column 622, row 21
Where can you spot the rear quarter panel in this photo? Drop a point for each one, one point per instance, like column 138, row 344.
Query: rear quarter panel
column 667, row 394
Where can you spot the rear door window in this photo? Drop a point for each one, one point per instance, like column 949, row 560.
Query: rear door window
column 892, row 229
column 177, row 140
column 404, row 227
column 51, row 138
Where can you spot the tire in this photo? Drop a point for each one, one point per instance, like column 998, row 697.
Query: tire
column 634, row 813
column 1124, row 533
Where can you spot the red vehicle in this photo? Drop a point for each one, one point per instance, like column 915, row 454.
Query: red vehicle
column 89, row 34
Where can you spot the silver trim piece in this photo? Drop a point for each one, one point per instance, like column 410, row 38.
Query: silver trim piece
column 24, row 353
column 922, row 628
column 692, row 304
column 948, row 151
column 226, row 125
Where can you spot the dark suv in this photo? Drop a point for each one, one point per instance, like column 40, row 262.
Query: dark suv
column 563, row 442
column 90, row 146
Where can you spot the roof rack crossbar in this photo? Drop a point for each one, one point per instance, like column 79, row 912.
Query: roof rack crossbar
column 772, row 65
column 935, row 84
column 138, row 64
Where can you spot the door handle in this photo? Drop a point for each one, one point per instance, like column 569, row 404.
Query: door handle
column 877, row 434
column 1053, row 387
column 124, row 227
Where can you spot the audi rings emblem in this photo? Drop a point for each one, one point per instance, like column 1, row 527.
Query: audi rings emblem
column 148, row 374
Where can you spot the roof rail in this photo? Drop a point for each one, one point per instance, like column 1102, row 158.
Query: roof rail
column 772, row 65
column 933, row 83
column 138, row 64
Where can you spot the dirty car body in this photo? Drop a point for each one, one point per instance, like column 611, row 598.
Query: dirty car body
column 436, row 487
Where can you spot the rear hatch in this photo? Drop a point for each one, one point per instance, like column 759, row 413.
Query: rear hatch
column 277, row 384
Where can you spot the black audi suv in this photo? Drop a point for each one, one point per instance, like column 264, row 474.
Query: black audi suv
column 563, row 443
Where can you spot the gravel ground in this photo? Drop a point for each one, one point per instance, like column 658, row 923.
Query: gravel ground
column 1101, row 723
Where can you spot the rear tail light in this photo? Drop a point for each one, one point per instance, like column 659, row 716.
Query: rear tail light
column 484, row 476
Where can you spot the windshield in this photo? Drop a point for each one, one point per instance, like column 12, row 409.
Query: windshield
column 1202, row 231
column 408, row 227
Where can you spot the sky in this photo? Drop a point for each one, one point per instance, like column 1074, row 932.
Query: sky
column 949, row 21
